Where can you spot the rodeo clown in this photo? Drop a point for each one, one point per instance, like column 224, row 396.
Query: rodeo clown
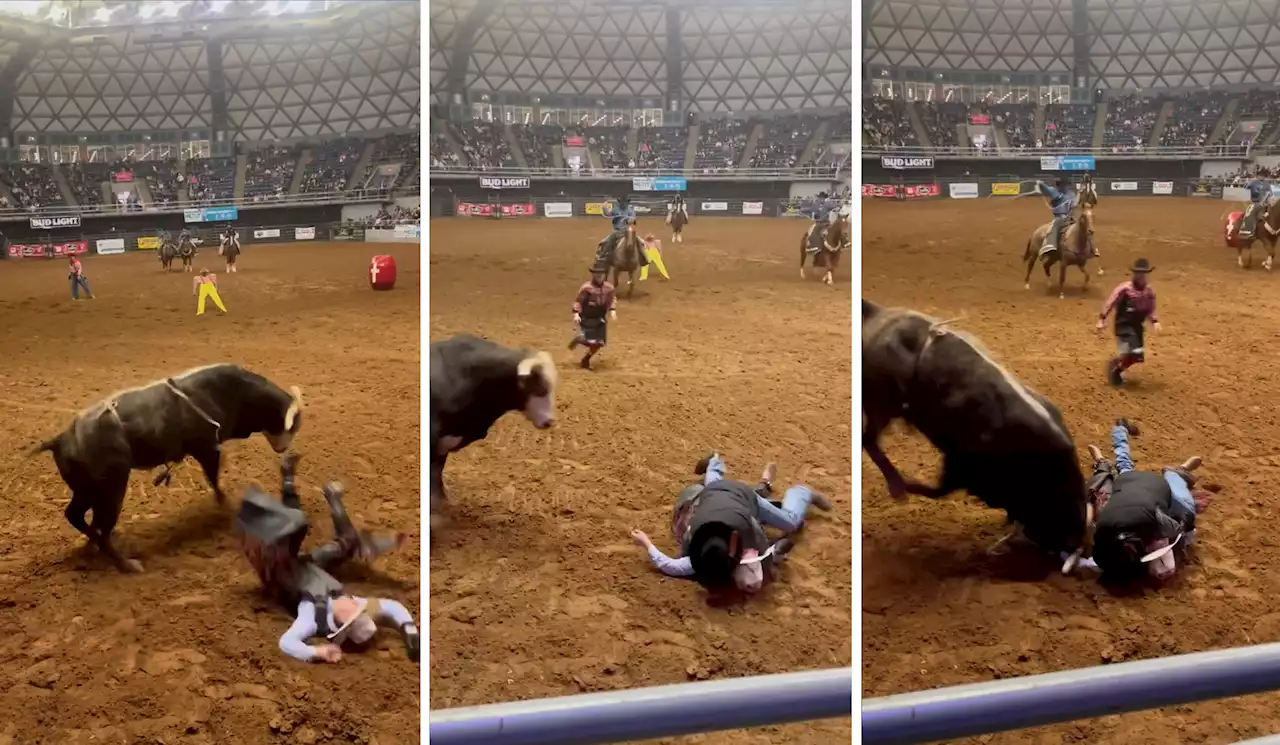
column 205, row 286
column 272, row 532
column 1134, row 302
column 719, row 526
column 595, row 305
column 620, row 212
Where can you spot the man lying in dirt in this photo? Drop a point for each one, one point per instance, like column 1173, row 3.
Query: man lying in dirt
column 719, row 526
column 1146, row 520
column 272, row 532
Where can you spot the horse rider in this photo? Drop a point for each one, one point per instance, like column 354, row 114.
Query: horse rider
column 1259, row 201
column 619, row 213
column 230, row 249
column 822, row 210
column 1141, row 512
column 272, row 533
column 1061, row 201
column 719, row 526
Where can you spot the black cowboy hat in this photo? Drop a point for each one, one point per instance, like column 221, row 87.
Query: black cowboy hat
column 599, row 267
column 712, row 562
column 1142, row 265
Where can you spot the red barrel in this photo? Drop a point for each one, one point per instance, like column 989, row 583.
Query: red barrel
column 1231, row 230
column 382, row 272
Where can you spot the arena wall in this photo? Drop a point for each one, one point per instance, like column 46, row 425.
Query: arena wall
column 1029, row 168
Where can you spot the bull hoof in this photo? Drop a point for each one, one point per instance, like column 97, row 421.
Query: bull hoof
column 131, row 566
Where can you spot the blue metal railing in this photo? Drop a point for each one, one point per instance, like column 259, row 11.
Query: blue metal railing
column 644, row 713
column 1036, row 700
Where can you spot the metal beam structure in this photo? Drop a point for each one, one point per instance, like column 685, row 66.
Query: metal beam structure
column 1053, row 698
column 644, row 713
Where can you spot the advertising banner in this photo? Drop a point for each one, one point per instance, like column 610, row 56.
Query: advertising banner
column 1202, row 189
column 504, row 182
column 980, row 119
column 1230, row 193
column 266, row 233
column 1006, row 190
column 753, row 208
column 73, row 248
column 123, row 177
column 905, row 162
column 1161, row 187
column 963, row 191
column 348, row 233
column 1124, row 186
column 407, row 232
column 519, row 210
column 1067, row 163
column 557, row 209
column 924, row 190
column 659, row 183
column 49, row 223
column 574, row 141
column 111, row 246
column 466, row 209
column 26, row 251
column 715, row 206
column 210, row 214
column 598, row 208
column 879, row 191
column 146, row 242
column 304, row 234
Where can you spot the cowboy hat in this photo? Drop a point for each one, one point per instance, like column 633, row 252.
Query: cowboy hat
column 1142, row 265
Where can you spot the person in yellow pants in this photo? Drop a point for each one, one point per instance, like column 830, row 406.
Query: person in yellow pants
column 653, row 252
column 205, row 285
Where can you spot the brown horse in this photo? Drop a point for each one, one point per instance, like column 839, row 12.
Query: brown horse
column 826, row 245
column 677, row 219
column 1077, row 235
column 1267, row 231
column 626, row 257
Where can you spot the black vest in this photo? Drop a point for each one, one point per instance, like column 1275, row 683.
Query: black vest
column 733, row 505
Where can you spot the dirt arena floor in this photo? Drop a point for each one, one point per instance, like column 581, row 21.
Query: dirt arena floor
column 187, row 651
column 536, row 587
column 936, row 611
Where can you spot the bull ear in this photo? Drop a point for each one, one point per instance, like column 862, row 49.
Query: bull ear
column 295, row 408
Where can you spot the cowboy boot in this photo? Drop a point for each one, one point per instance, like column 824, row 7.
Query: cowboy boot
column 288, row 487
column 1186, row 468
column 1129, row 427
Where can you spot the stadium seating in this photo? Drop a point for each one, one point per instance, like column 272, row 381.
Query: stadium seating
column 941, row 120
column 485, row 145
column 610, row 143
column 392, row 149
column 269, row 172
column 210, row 179
column 1129, row 123
column 32, row 185
column 331, row 165
column 162, row 179
column 661, row 147
column 441, row 153
column 720, row 144
column 85, row 180
column 885, row 123
column 1017, row 121
column 1193, row 119
column 782, row 141
column 1069, row 126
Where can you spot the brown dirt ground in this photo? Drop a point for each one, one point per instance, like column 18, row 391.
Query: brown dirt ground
column 536, row 588
column 186, row 652
column 935, row 611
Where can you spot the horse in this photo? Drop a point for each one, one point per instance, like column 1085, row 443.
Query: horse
column 1078, row 235
column 825, row 246
column 230, row 250
column 677, row 218
column 187, row 252
column 1268, row 231
column 167, row 252
column 625, row 256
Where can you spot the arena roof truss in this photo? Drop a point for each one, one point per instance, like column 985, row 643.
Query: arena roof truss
column 1184, row 43
column 1019, row 36
column 365, row 78
column 443, row 26
column 575, row 48
column 117, row 84
column 743, row 61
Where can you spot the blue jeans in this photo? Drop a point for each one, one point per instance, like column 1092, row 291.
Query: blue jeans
column 1124, row 463
column 76, row 284
column 788, row 518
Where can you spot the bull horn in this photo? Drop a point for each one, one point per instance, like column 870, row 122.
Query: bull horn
column 295, row 407
column 1070, row 563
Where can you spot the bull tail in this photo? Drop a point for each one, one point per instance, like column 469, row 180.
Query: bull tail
column 869, row 310
column 1026, row 255
column 50, row 445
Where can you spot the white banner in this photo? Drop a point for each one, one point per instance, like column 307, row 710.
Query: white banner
column 402, row 232
column 753, row 208
column 557, row 209
column 1235, row 194
column 1124, row 186
column 964, row 191
column 381, row 235
column 1161, row 187
column 111, row 246
column 715, row 206
column 268, row 233
column 304, row 234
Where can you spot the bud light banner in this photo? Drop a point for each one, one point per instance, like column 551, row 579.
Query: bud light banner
column 659, row 183
column 504, row 182
column 49, row 223
column 1067, row 163
column 907, row 162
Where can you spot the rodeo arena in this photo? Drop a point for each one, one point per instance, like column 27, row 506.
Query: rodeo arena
column 1035, row 174
column 640, row 372
column 210, row 226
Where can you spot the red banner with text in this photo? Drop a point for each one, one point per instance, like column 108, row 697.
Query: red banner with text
column 924, row 190
column 42, row 250
column 519, row 210
column 480, row 210
column 889, row 191
column 878, row 190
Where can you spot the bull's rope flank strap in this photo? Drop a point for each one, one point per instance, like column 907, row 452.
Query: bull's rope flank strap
column 217, row 428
